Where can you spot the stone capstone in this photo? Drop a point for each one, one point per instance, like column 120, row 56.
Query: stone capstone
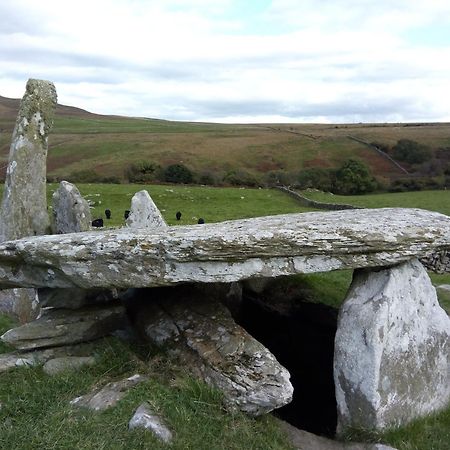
column 144, row 417
column 71, row 213
column 144, row 213
column 201, row 333
column 109, row 395
column 224, row 252
column 57, row 327
column 392, row 349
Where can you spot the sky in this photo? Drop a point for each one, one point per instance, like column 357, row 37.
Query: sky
column 291, row 61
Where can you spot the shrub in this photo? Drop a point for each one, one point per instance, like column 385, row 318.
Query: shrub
column 143, row 172
column 354, row 177
column 240, row 178
column 207, row 178
column 317, row 178
column 280, row 177
column 178, row 173
column 411, row 152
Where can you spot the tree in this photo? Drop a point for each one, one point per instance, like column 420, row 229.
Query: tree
column 317, row 178
column 411, row 151
column 354, row 177
column 178, row 173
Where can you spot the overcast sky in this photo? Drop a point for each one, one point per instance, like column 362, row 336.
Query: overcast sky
column 235, row 61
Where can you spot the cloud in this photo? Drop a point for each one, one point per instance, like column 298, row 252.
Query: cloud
column 340, row 60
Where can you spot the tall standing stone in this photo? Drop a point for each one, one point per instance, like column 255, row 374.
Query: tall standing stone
column 23, row 211
column 24, row 205
column 392, row 349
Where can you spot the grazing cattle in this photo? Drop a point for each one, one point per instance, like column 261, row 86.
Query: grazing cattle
column 201, row 220
column 178, row 215
column 126, row 214
column 108, row 213
column 97, row 223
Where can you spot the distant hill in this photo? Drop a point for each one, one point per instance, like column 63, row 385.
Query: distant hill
column 107, row 145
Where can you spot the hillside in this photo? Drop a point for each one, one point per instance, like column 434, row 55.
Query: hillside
column 109, row 144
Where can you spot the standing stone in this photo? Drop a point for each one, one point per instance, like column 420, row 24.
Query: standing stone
column 23, row 211
column 71, row 213
column 144, row 213
column 392, row 349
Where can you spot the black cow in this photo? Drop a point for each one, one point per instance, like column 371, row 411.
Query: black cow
column 201, row 220
column 126, row 214
column 178, row 215
column 97, row 223
column 108, row 213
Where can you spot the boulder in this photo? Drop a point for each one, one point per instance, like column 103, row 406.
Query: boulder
column 224, row 252
column 145, row 418
column 392, row 349
column 144, row 213
column 23, row 210
column 201, row 333
column 109, row 395
column 56, row 327
column 71, row 213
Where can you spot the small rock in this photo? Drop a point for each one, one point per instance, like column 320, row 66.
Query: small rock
column 145, row 418
column 109, row 395
column 57, row 365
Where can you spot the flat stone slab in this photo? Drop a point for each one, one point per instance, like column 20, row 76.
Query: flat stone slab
column 224, row 252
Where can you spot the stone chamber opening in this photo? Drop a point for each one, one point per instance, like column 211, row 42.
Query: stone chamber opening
column 301, row 336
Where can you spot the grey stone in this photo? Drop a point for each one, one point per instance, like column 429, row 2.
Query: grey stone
column 201, row 333
column 109, row 395
column 144, row 417
column 303, row 440
column 225, row 252
column 24, row 205
column 392, row 349
column 75, row 298
column 144, row 213
column 66, row 363
column 12, row 360
column 23, row 210
column 57, row 327
column 71, row 213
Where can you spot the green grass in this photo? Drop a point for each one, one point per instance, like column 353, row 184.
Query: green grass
column 35, row 412
column 212, row 204
column 432, row 200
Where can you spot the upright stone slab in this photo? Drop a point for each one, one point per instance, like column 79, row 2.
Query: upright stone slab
column 392, row 349
column 24, row 205
column 23, row 210
column 71, row 213
column 144, row 213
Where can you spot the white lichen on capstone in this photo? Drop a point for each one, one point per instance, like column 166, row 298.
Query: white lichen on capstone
column 292, row 243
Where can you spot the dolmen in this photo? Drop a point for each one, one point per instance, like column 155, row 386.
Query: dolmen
column 175, row 284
